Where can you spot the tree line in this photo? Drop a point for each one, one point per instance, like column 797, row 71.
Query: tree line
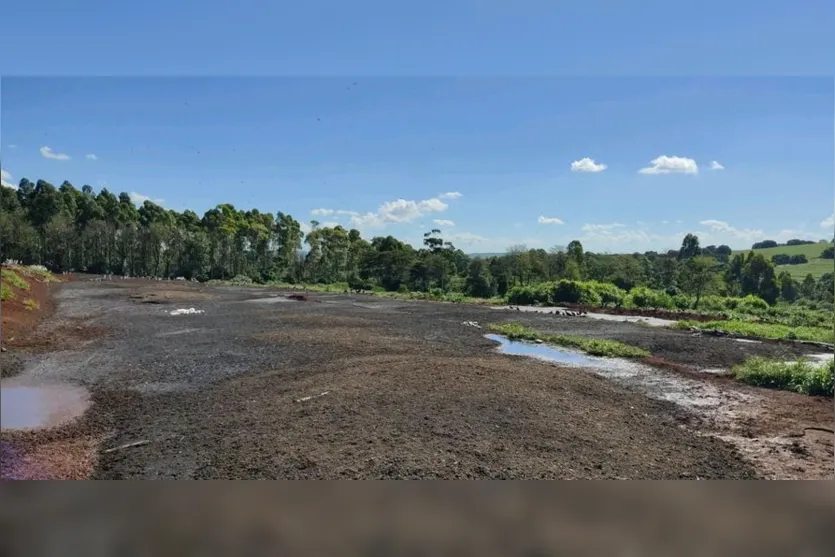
column 70, row 229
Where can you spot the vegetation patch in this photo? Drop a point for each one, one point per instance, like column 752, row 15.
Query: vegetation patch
column 593, row 346
column 6, row 293
column 800, row 376
column 31, row 304
column 10, row 277
column 763, row 330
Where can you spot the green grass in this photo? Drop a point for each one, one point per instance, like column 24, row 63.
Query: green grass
column 11, row 278
column 816, row 266
column 593, row 346
column 764, row 330
column 799, row 376
column 38, row 271
column 31, row 304
column 6, row 293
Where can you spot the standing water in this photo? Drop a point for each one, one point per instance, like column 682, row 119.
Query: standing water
column 539, row 351
column 25, row 406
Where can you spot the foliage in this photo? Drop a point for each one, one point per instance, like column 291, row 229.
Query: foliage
column 799, row 376
column 31, row 304
column 642, row 297
column 785, row 259
column 575, row 292
column 751, row 303
column 593, row 346
column 828, row 253
column 763, row 330
column 11, row 278
column 6, row 293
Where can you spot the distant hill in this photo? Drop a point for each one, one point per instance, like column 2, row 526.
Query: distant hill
column 816, row 266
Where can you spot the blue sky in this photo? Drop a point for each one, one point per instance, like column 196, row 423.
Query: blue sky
column 385, row 108
column 491, row 155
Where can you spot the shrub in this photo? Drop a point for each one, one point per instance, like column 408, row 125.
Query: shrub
column 799, row 376
column 575, row 292
column 529, row 295
column 680, row 301
column 713, row 302
column 752, row 304
column 643, row 297
column 610, row 295
column 241, row 279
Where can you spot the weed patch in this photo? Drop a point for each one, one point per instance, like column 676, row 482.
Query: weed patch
column 763, row 330
column 11, row 278
column 593, row 346
column 799, row 376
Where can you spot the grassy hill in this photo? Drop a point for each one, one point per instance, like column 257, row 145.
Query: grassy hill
column 816, row 266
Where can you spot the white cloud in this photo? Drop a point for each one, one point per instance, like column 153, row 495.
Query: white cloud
column 139, row 199
column 714, row 165
column 398, row 211
column 601, row 227
column 723, row 233
column 624, row 239
column 91, row 156
column 670, row 165
column 50, row 154
column 329, row 212
column 748, row 234
column 828, row 222
column 443, row 222
column 329, row 224
column 471, row 242
column 549, row 220
column 451, row 195
column 587, row 165
column 665, row 222
column 5, row 177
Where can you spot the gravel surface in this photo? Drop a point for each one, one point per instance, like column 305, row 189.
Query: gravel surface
column 409, row 392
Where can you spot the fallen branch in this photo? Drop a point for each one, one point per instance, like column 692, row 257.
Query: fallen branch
column 824, row 429
column 127, row 446
column 306, row 398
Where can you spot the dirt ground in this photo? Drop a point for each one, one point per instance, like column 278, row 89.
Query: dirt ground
column 353, row 386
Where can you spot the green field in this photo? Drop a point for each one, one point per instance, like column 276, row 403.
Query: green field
column 816, row 266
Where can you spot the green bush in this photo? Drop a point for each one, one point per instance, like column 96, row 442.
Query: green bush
column 575, row 292
column 241, row 279
column 752, row 304
column 610, row 295
column 680, row 301
column 530, row 295
column 643, row 297
column 799, row 376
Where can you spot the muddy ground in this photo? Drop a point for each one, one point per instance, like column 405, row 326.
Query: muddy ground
column 410, row 392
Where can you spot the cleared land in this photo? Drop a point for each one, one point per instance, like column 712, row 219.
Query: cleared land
column 354, row 386
column 816, row 266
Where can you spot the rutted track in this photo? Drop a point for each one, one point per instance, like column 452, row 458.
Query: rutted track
column 411, row 393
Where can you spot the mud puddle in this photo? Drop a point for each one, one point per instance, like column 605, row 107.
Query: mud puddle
column 26, row 406
column 539, row 351
column 651, row 321
column 655, row 383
